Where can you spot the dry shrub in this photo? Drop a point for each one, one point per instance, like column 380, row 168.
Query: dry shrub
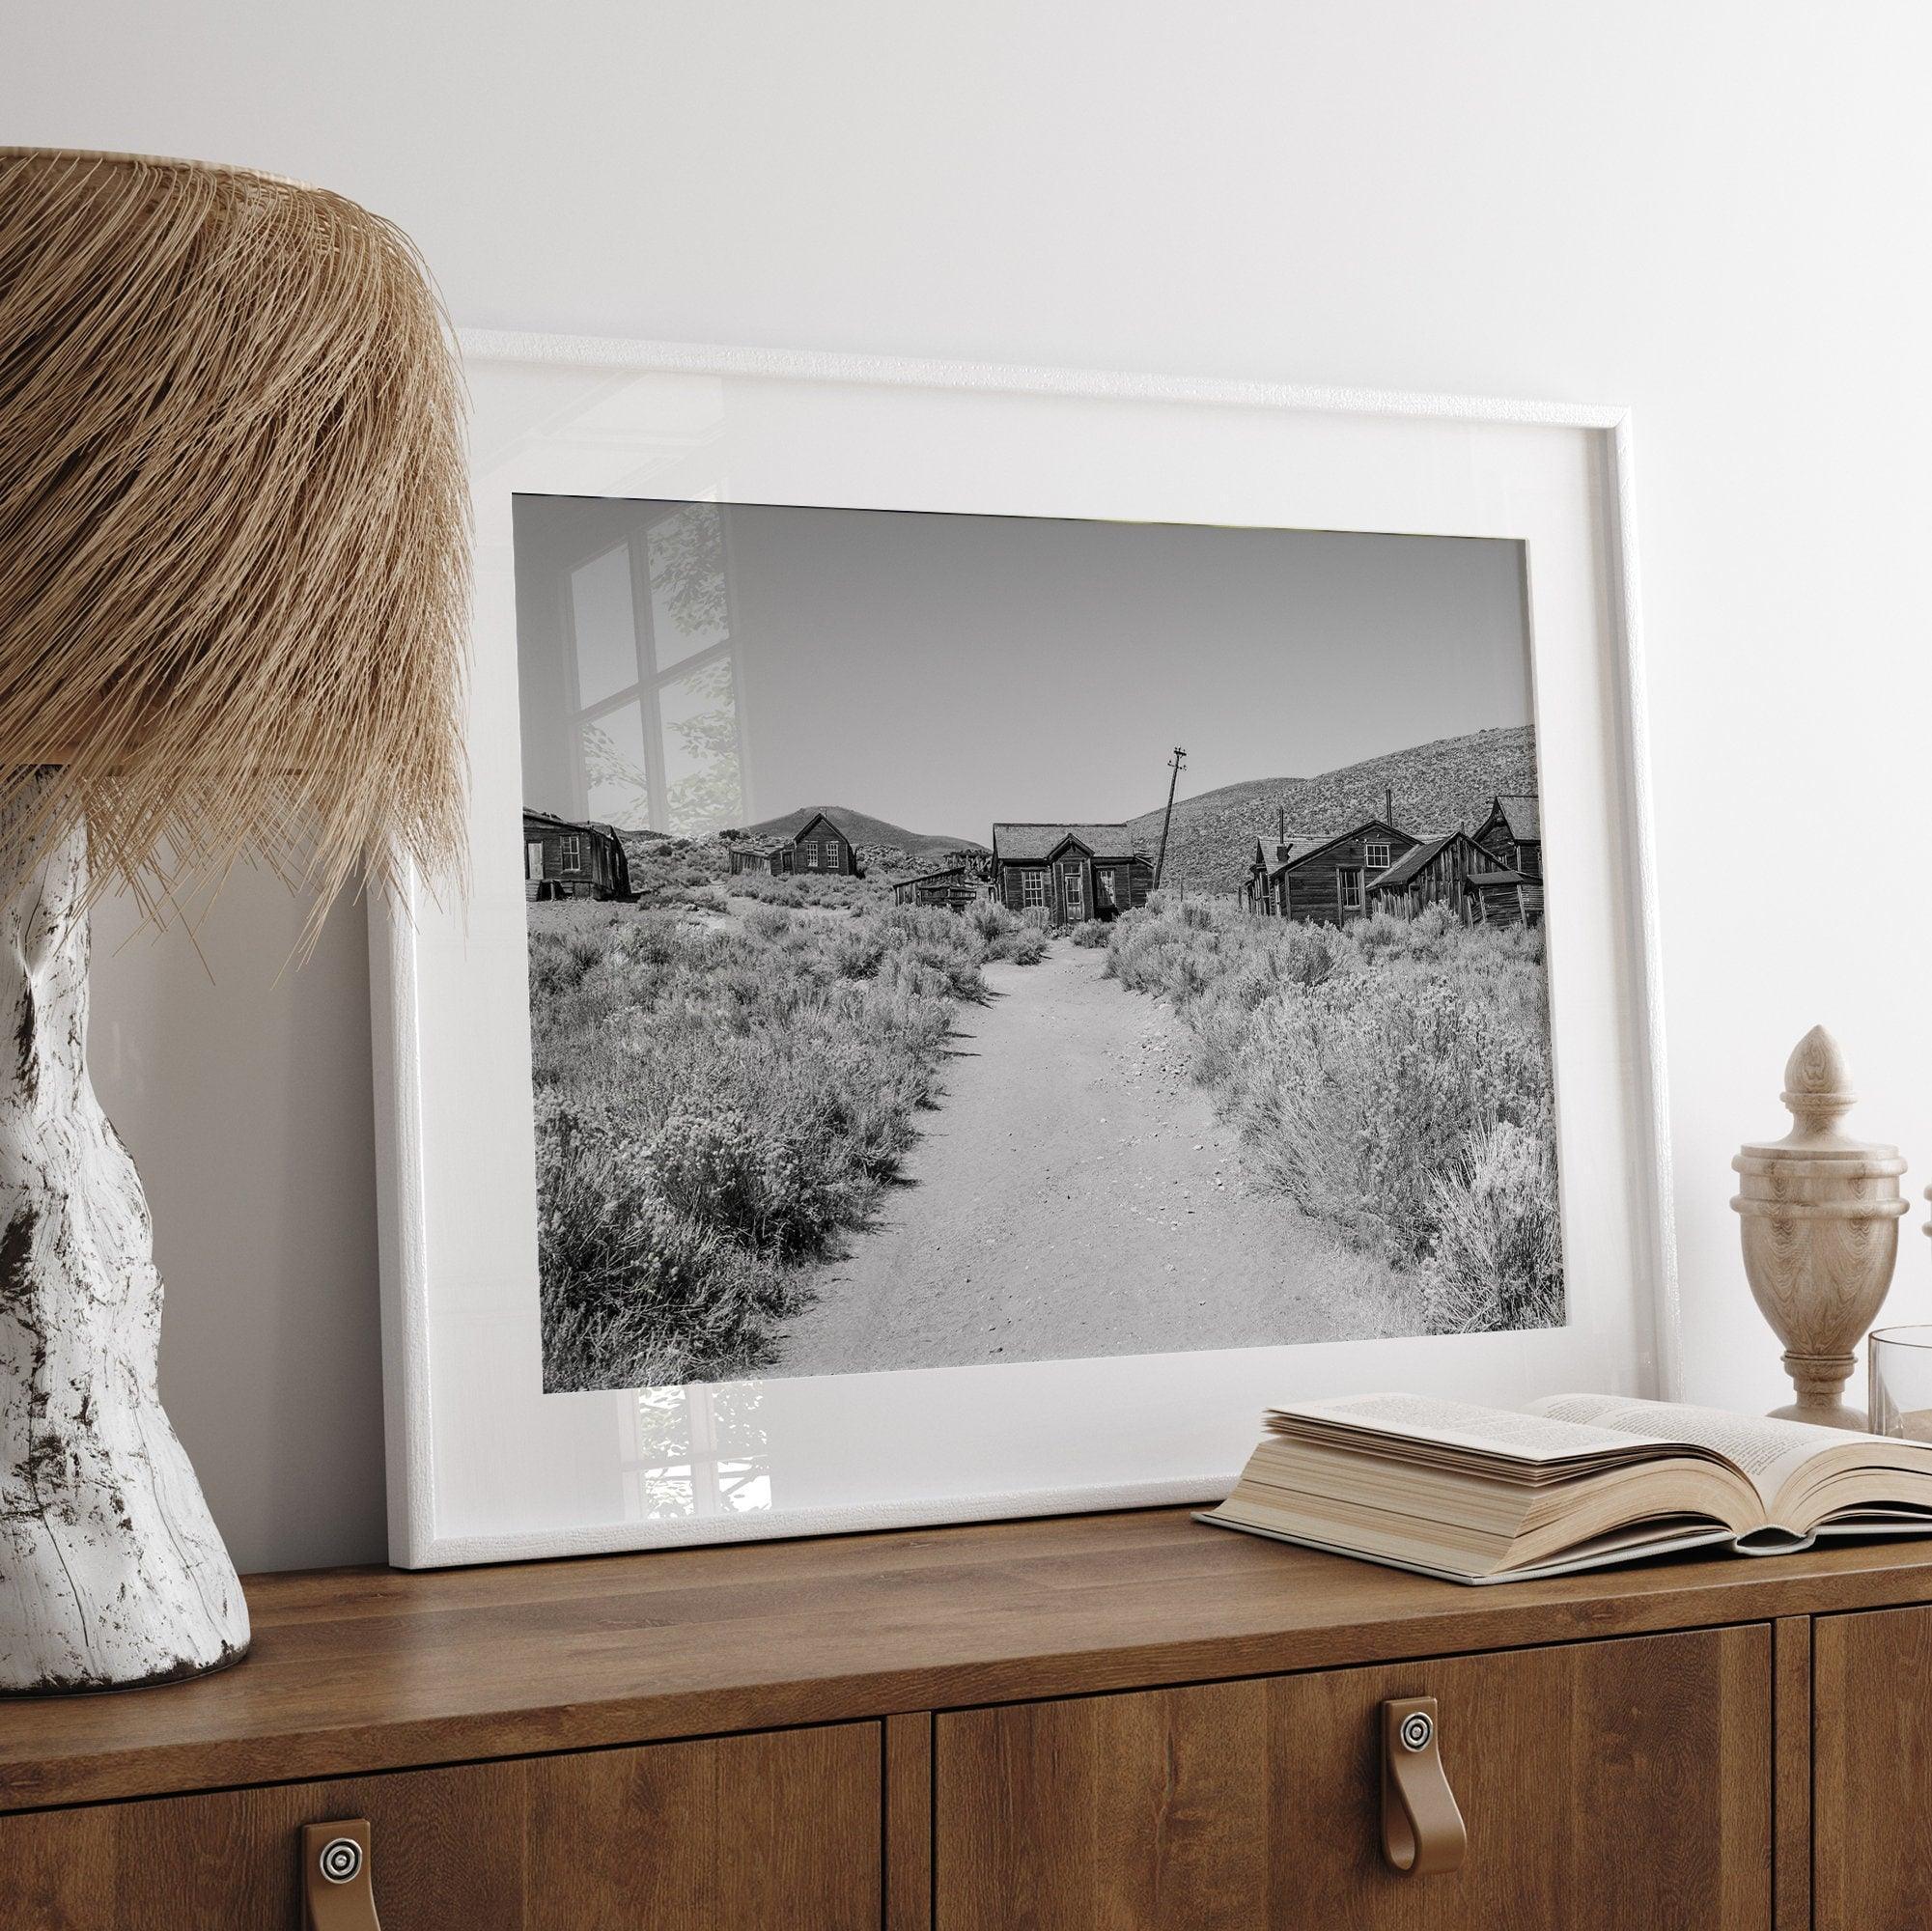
column 825, row 891
column 1392, row 1079
column 716, row 1106
column 1496, row 1261
column 633, row 1291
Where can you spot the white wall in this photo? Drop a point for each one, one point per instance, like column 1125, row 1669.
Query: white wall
column 1716, row 212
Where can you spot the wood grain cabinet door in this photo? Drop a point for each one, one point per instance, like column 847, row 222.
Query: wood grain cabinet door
column 1871, row 1790
column 1620, row 1784
column 741, row 1833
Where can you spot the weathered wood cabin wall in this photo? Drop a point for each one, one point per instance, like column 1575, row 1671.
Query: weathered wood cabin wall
column 1444, row 877
column 774, row 862
column 1329, row 885
column 566, row 860
column 1075, row 886
column 955, row 889
column 822, row 847
column 1519, row 844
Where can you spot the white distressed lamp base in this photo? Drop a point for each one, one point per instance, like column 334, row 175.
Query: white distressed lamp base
column 111, row 1571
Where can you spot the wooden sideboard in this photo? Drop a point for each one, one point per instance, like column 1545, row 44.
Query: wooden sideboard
column 1117, row 1721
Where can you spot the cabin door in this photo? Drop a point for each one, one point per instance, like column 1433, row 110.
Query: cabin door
column 1072, row 892
column 533, row 857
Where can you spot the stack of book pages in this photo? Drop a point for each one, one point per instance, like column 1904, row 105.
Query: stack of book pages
column 1491, row 1494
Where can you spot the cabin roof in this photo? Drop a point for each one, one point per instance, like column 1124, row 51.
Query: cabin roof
column 1023, row 843
column 548, row 820
column 1357, row 830
column 794, row 826
column 1500, row 875
column 927, row 877
column 1521, row 815
column 761, row 847
column 1264, row 848
column 1409, row 863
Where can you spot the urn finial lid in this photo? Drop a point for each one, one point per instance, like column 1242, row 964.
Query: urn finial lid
column 1817, row 1085
column 1818, row 1091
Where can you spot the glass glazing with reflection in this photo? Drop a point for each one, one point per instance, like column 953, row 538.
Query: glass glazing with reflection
column 1901, row 1382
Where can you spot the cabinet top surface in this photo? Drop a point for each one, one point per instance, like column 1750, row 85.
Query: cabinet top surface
column 363, row 1670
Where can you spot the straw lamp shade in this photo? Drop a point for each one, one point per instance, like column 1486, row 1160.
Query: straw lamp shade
column 232, row 605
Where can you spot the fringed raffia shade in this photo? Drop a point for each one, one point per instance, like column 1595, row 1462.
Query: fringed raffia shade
column 233, row 572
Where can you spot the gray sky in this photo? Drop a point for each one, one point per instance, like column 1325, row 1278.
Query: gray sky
column 945, row 671
column 942, row 671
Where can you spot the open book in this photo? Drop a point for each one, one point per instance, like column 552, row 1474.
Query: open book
column 1490, row 1495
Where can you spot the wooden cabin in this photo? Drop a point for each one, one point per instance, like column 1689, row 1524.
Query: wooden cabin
column 807, row 841
column 953, row 887
column 974, row 860
column 566, row 860
column 1260, row 889
column 1453, row 870
column 768, row 857
column 1326, row 883
column 1072, row 872
column 1513, row 832
column 818, row 843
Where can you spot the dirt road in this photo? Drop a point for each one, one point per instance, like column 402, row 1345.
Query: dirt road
column 1073, row 1195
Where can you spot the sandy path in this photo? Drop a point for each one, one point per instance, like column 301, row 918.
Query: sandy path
column 1073, row 1195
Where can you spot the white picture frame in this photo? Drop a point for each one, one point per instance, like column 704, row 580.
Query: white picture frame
column 484, row 1467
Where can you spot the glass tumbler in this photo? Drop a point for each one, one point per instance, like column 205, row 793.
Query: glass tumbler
column 1901, row 1382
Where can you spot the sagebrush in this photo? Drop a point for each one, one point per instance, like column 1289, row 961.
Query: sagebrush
column 716, row 1102
column 1391, row 1078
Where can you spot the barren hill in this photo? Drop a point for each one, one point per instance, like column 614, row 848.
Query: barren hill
column 871, row 835
column 1436, row 788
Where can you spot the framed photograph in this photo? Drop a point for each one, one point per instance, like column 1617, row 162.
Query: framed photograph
column 1018, row 918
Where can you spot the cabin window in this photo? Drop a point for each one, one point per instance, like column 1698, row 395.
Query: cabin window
column 1350, row 878
column 832, row 861
column 572, row 858
column 1032, row 888
column 1376, row 857
column 812, row 854
column 1106, row 886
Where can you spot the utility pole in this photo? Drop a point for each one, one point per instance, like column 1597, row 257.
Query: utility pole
column 1179, row 759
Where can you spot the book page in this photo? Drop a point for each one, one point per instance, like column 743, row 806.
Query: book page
column 1496, row 1431
column 1765, row 1451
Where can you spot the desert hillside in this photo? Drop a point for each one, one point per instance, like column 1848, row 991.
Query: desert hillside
column 880, row 843
column 1437, row 786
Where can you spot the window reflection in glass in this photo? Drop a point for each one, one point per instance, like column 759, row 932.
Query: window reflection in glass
column 657, row 729
column 699, row 715
column 696, row 1452
column 616, row 767
column 604, row 626
column 689, row 607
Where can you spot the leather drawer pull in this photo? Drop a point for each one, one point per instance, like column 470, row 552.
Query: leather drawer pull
column 336, row 1891
column 1422, row 1830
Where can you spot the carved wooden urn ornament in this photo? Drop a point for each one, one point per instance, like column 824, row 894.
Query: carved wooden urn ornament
column 1821, row 1214
column 232, row 592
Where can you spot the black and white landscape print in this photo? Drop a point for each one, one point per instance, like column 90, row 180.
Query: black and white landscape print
column 970, row 939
